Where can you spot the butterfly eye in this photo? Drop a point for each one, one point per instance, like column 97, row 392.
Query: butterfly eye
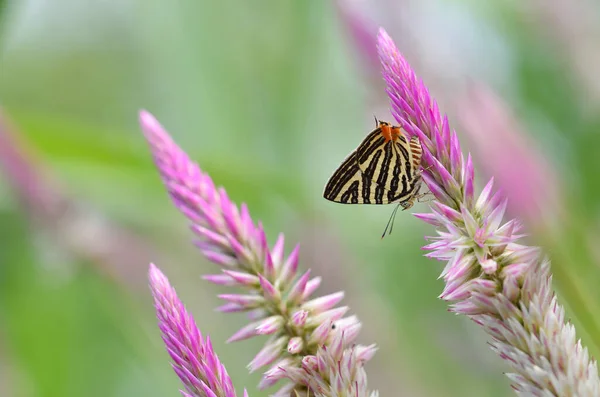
column 406, row 204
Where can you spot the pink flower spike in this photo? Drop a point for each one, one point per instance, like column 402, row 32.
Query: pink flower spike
column 154, row 132
column 197, row 365
column 273, row 292
column 529, row 333
column 323, row 303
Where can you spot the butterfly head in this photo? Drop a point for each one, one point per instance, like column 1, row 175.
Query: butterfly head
column 389, row 132
column 407, row 204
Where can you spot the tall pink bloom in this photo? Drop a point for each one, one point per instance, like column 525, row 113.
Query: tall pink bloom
column 278, row 299
column 194, row 360
column 502, row 285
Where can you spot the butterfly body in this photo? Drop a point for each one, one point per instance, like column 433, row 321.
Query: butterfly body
column 384, row 169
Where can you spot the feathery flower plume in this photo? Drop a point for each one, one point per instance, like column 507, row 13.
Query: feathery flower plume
column 277, row 298
column 503, row 286
column 194, row 360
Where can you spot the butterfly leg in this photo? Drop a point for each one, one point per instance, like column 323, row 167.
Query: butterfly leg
column 420, row 196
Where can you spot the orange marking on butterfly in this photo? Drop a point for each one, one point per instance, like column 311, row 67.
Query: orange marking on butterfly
column 389, row 133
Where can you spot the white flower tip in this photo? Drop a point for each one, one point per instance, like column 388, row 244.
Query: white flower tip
column 156, row 277
column 147, row 120
column 382, row 34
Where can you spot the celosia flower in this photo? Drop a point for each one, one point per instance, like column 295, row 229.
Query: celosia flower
column 334, row 371
column 194, row 360
column 279, row 300
column 500, row 284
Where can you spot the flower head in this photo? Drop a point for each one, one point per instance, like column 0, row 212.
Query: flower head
column 277, row 297
column 334, row 370
column 194, row 360
column 500, row 284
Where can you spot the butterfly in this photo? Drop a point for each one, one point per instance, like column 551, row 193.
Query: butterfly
column 384, row 169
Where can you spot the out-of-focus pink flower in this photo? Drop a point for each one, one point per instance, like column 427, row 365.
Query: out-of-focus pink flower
column 362, row 31
column 194, row 360
column 573, row 25
column 505, row 152
column 73, row 224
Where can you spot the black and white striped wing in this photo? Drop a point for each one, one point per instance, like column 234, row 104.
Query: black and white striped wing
column 379, row 171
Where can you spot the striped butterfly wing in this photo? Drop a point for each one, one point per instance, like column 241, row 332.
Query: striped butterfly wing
column 392, row 165
column 347, row 184
column 382, row 170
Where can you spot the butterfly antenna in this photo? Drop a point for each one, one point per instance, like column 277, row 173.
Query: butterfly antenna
column 376, row 121
column 390, row 223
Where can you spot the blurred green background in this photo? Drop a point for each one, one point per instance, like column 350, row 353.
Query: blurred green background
column 268, row 96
